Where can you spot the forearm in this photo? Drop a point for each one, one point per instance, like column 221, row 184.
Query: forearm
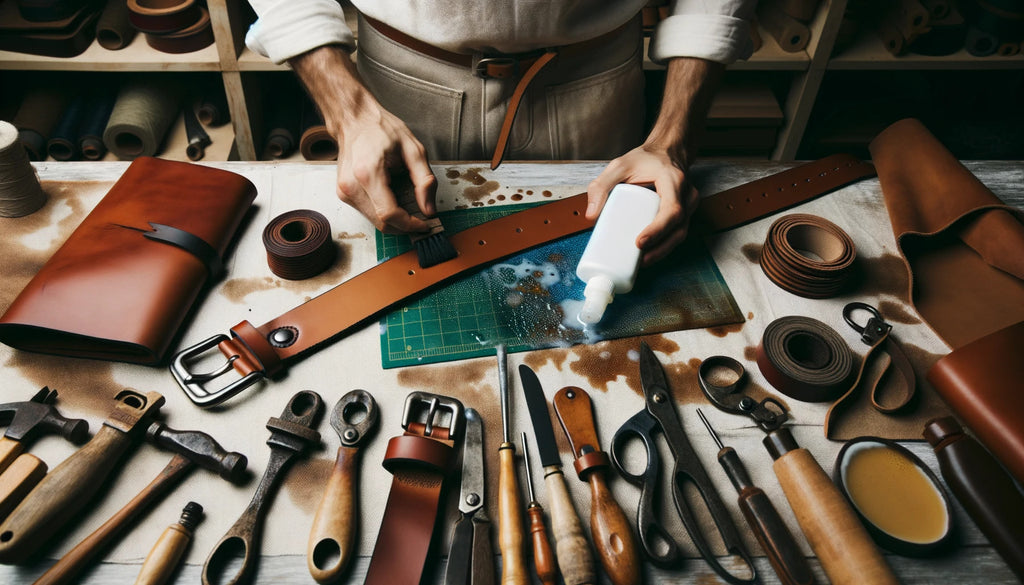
column 690, row 86
column 331, row 79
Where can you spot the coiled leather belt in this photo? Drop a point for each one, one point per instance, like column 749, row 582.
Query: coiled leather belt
column 193, row 37
column 785, row 263
column 257, row 352
column 299, row 244
column 163, row 16
column 805, row 359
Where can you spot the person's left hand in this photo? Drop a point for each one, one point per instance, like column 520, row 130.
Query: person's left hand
column 645, row 165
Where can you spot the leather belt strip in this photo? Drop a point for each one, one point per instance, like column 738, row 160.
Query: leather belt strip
column 419, row 460
column 163, row 16
column 193, row 38
column 785, row 262
column 299, row 244
column 257, row 352
column 805, row 359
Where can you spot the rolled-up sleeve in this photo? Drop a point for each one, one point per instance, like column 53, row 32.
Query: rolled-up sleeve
column 716, row 30
column 287, row 28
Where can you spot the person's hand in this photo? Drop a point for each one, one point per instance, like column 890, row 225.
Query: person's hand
column 646, row 165
column 373, row 146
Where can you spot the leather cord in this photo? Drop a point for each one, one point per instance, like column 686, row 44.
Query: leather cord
column 785, row 260
column 299, row 244
column 805, row 359
column 194, row 37
column 163, row 16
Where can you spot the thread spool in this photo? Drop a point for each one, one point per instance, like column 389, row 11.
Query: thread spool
column 63, row 144
column 140, row 119
column 113, row 30
column 90, row 140
column 20, row 191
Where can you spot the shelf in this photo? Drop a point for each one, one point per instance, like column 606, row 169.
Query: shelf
column 138, row 56
column 868, row 53
column 252, row 61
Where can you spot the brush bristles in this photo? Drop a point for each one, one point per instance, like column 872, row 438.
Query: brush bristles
column 434, row 249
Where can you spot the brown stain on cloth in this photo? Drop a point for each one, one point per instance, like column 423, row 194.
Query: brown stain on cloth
column 307, row 481
column 479, row 188
column 897, row 313
column 82, row 385
column 236, row 289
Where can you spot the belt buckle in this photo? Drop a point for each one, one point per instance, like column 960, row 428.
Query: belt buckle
column 433, row 403
column 192, row 383
column 482, row 64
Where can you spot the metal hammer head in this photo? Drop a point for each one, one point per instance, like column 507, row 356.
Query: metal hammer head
column 39, row 415
column 200, row 448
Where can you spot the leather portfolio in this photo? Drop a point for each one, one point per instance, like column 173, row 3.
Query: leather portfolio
column 122, row 284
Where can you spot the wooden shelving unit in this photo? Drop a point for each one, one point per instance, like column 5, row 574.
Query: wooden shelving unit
column 802, row 72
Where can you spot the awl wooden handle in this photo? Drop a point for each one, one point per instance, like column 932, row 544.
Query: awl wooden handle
column 510, row 522
column 543, row 556
column 575, row 560
column 775, row 538
column 332, row 537
column 612, row 535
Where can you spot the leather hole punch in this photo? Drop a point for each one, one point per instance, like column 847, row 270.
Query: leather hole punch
column 192, row 382
column 769, row 413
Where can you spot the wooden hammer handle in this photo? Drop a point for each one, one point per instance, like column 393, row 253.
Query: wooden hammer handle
column 9, row 451
column 332, row 536
column 832, row 528
column 61, row 494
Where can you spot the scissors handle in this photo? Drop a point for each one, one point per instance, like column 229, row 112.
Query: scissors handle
column 658, row 545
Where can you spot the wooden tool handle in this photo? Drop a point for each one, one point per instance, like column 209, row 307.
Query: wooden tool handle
column 510, row 522
column 775, row 538
column 163, row 558
column 543, row 556
column 612, row 536
column 837, row 536
column 575, row 560
column 17, row 481
column 9, row 451
column 333, row 535
column 61, row 494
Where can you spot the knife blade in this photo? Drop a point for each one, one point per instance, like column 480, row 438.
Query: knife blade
column 575, row 561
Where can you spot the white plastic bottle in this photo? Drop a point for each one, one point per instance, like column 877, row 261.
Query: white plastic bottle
column 609, row 263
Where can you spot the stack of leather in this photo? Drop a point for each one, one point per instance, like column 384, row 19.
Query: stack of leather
column 744, row 120
column 172, row 26
column 54, row 28
column 786, row 21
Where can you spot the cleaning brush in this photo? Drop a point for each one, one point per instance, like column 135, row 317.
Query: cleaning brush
column 432, row 247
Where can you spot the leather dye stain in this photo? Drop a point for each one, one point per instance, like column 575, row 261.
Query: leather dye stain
column 83, row 386
column 604, row 362
column 237, row 289
column 752, row 252
column 537, row 359
column 750, row 353
column 480, row 188
column 885, row 275
column 306, row 482
column 897, row 313
column 723, row 330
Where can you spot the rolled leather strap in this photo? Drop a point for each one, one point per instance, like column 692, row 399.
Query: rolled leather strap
column 785, row 261
column 370, row 293
column 163, row 16
column 805, row 359
column 187, row 40
column 299, row 244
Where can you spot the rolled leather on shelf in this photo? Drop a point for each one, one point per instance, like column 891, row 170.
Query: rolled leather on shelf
column 113, row 30
column 144, row 111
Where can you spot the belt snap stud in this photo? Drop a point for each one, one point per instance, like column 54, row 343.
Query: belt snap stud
column 283, row 336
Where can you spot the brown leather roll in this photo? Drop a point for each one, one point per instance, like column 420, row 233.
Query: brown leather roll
column 791, row 34
column 785, row 260
column 318, row 144
column 299, row 244
column 805, row 359
column 114, row 30
column 187, row 40
column 163, row 16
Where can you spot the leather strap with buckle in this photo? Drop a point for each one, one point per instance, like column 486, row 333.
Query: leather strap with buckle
column 418, row 460
column 258, row 352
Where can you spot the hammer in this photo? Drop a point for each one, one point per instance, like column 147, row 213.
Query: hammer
column 190, row 448
column 24, row 419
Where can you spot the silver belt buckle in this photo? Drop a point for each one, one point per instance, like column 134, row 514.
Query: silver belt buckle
column 418, row 402
column 192, row 383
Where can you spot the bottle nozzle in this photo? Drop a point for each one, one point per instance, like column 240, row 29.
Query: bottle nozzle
column 596, row 297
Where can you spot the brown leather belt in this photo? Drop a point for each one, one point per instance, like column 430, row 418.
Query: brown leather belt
column 163, row 16
column 499, row 66
column 419, row 460
column 299, row 244
column 194, row 37
column 805, row 359
column 785, row 263
column 255, row 353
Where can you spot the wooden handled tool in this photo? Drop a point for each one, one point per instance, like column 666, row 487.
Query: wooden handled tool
column 332, row 539
column 770, row 530
column 832, row 528
column 162, row 560
column 609, row 526
column 510, row 522
column 190, row 448
column 575, row 560
column 543, row 556
column 74, row 482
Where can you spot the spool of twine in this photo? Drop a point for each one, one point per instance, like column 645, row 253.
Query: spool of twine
column 37, row 116
column 140, row 119
column 113, row 30
column 20, row 192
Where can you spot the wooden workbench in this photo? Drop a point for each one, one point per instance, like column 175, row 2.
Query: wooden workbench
column 250, row 292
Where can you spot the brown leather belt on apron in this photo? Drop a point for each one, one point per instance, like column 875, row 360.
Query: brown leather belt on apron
column 259, row 352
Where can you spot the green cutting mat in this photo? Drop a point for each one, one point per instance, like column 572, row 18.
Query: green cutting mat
column 530, row 301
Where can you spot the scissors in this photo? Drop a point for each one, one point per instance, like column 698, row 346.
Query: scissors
column 660, row 415
column 769, row 414
column 470, row 558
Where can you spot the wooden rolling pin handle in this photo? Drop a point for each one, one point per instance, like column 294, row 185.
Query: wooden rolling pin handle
column 543, row 556
column 332, row 537
column 575, row 560
column 612, row 536
column 832, row 528
column 510, row 521
column 61, row 494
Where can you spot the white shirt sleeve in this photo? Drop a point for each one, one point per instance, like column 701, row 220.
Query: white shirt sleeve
column 287, row 28
column 716, row 30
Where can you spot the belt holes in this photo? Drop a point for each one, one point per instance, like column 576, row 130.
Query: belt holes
column 412, row 272
column 519, row 230
column 482, row 243
column 765, row 194
column 794, row 184
column 748, row 199
column 807, row 180
column 547, row 221
column 781, row 189
column 576, row 212
column 731, row 206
